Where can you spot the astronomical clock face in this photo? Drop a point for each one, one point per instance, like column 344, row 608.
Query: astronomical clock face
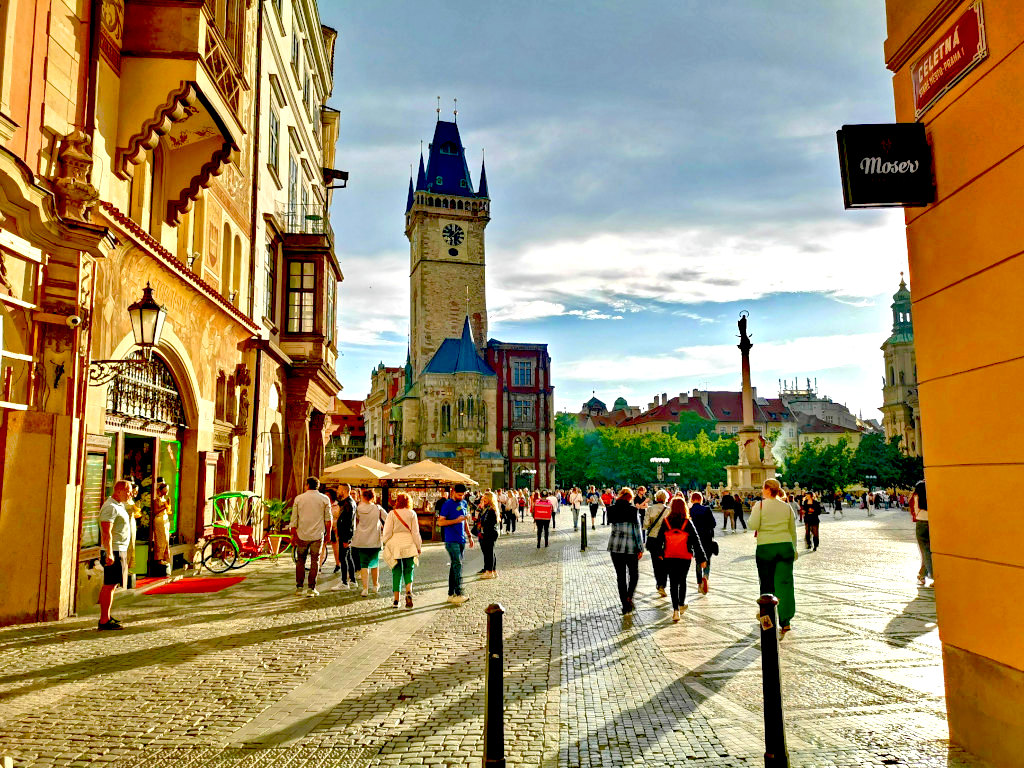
column 453, row 234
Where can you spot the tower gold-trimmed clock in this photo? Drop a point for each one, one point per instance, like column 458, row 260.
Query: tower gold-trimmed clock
column 453, row 234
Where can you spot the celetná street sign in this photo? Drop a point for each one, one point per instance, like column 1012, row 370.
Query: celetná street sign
column 887, row 165
column 957, row 51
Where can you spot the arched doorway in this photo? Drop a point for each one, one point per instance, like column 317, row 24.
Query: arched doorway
column 146, row 425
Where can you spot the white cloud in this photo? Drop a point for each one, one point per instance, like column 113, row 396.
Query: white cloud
column 592, row 314
column 524, row 310
column 694, row 316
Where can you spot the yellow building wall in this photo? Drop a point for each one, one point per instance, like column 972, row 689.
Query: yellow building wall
column 967, row 274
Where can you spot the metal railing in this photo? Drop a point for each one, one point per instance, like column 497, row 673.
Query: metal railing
column 308, row 219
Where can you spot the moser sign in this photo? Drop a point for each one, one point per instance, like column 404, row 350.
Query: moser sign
column 957, row 51
column 888, row 165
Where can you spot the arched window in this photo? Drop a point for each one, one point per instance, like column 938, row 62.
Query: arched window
column 236, row 274
column 444, row 203
column 892, row 376
column 220, row 404
column 462, row 413
column 470, row 413
column 527, row 446
column 517, row 448
column 460, row 205
column 902, row 378
column 430, row 201
column 446, row 418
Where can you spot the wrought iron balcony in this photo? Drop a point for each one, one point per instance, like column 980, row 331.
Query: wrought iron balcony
column 309, row 219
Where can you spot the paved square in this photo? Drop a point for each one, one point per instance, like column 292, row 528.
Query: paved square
column 255, row 676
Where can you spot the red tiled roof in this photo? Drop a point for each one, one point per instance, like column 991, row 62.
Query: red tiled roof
column 810, row 424
column 669, row 412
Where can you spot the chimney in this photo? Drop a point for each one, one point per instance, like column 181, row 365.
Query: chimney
column 664, row 398
column 683, row 399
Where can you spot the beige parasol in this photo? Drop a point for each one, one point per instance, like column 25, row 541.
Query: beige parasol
column 431, row 471
column 360, row 470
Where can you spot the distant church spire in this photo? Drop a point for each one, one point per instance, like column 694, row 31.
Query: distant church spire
column 482, row 192
column 421, row 175
column 408, row 202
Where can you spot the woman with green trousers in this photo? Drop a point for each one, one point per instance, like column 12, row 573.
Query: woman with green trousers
column 402, row 547
column 771, row 519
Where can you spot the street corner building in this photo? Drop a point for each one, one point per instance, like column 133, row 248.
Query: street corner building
column 480, row 406
column 182, row 151
column 957, row 71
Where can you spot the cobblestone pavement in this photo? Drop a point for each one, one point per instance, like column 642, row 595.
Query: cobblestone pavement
column 254, row 676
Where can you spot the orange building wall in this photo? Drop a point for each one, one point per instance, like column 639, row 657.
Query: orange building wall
column 968, row 275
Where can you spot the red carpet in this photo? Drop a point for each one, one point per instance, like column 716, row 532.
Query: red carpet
column 195, row 585
column 141, row 582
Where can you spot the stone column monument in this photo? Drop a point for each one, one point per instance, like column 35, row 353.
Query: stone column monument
column 755, row 456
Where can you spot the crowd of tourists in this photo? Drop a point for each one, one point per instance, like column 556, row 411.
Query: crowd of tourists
column 675, row 528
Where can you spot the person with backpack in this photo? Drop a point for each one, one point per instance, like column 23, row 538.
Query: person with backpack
column 703, row 520
column 772, row 521
column 680, row 545
column 654, row 517
column 541, row 509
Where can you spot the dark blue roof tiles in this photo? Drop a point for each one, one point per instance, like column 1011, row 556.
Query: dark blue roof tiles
column 483, row 181
column 421, row 176
column 408, row 202
column 447, row 172
column 459, row 356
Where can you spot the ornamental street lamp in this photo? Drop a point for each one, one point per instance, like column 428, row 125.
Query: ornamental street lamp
column 658, row 461
column 147, row 325
column 530, row 472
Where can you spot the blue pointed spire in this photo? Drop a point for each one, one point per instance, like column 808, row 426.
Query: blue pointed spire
column 421, row 177
column 408, row 202
column 447, row 172
column 482, row 192
column 459, row 356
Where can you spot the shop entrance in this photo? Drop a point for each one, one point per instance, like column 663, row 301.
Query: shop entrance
column 145, row 424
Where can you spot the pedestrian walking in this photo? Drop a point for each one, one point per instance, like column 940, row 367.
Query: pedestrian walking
column 837, row 503
column 772, row 521
column 593, row 501
column 366, row 541
column 310, row 525
column 115, row 536
column 489, row 534
column 540, row 508
column 740, row 508
column 522, row 506
column 332, row 497
column 919, row 514
column 402, row 547
column 626, row 546
column 555, row 502
column 575, row 502
column 606, row 502
column 728, row 508
column 681, row 545
column 812, row 519
column 654, row 518
column 345, row 528
column 454, row 519
column 703, row 520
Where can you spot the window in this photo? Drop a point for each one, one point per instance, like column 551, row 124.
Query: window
column 517, row 448
column 449, row 148
column 462, row 183
column 462, row 413
column 306, row 90
column 522, row 373
column 270, row 296
column 293, row 182
column 332, row 297
column 275, row 140
column 527, row 446
column 296, row 47
column 278, row 8
column 446, row 418
column 522, row 410
column 439, row 180
column 470, row 409
column 301, row 295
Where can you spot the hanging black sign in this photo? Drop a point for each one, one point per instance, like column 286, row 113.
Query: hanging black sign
column 885, row 166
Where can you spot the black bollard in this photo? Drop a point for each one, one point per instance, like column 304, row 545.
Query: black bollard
column 494, row 691
column 583, row 534
column 775, row 753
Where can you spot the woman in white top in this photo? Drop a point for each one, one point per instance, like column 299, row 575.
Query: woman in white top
column 367, row 539
column 402, row 546
column 654, row 519
column 771, row 519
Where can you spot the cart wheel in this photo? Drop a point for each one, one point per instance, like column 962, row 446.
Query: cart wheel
column 219, row 554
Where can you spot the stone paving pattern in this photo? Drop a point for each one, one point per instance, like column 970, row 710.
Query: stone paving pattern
column 255, row 676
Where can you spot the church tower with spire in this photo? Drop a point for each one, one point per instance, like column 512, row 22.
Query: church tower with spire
column 901, row 410
column 445, row 219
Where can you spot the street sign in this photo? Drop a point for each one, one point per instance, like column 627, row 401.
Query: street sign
column 673, row 474
column 958, row 50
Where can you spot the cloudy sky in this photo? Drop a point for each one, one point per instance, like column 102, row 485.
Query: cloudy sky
column 655, row 167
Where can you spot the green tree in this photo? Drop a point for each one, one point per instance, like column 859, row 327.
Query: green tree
column 690, row 425
column 877, row 462
column 564, row 424
column 820, row 466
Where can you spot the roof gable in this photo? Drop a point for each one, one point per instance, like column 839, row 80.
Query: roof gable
column 459, row 356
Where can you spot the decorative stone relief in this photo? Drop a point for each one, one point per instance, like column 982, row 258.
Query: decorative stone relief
column 75, row 195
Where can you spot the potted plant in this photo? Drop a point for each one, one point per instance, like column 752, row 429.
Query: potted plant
column 278, row 515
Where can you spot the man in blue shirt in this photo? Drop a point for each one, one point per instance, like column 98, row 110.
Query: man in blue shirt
column 454, row 519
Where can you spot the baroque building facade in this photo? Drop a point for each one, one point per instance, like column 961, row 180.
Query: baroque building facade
column 132, row 138
column 901, row 409
column 481, row 406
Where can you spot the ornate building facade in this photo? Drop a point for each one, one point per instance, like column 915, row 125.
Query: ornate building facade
column 901, row 410
column 481, row 406
column 131, row 140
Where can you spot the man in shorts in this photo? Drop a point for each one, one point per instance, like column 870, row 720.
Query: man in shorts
column 115, row 536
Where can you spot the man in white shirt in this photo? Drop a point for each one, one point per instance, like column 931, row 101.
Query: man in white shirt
column 310, row 525
column 115, row 536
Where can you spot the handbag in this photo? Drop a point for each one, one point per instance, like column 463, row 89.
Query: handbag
column 416, row 558
column 654, row 543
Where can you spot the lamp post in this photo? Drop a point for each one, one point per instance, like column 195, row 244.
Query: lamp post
column 530, row 472
column 147, row 325
column 659, row 461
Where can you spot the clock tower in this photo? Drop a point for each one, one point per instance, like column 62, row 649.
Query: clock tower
column 445, row 221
